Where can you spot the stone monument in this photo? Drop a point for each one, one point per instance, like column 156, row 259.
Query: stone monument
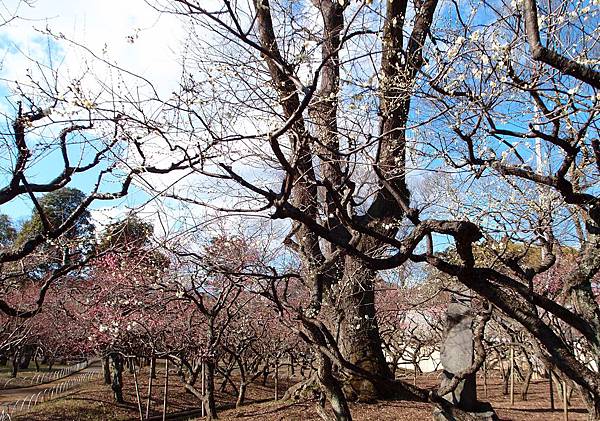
column 458, row 354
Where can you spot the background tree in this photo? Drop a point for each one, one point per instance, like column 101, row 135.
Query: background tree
column 8, row 232
column 66, row 130
column 55, row 208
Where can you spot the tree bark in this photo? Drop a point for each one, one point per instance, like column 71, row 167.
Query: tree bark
column 360, row 342
column 332, row 389
column 117, row 377
column 209, row 390
column 105, row 370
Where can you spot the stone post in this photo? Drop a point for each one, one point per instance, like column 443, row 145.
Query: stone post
column 458, row 354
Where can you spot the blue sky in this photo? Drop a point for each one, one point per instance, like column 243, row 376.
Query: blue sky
column 137, row 37
column 134, row 38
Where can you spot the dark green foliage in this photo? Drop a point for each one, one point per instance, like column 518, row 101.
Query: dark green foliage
column 58, row 207
column 8, row 232
column 132, row 237
column 128, row 234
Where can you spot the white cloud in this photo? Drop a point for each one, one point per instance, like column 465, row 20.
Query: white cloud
column 144, row 42
column 130, row 32
column 102, row 217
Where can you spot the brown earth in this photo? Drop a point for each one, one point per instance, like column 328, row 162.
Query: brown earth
column 93, row 401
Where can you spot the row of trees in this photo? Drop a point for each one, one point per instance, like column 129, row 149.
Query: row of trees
column 204, row 307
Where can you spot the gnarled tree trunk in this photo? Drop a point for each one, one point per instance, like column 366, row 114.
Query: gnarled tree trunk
column 359, row 341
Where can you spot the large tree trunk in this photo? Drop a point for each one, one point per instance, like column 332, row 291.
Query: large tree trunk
column 360, row 342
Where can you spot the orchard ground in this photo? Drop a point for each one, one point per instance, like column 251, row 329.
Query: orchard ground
column 94, row 401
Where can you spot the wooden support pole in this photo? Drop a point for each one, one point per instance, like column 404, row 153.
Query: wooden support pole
column 137, row 392
column 485, row 385
column 276, row 379
column 565, row 402
column 164, row 414
column 202, row 389
column 551, row 390
column 512, row 375
column 150, row 378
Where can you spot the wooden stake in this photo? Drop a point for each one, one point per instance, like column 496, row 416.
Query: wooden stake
column 152, row 362
column 512, row 375
column 202, row 389
column 485, row 389
column 565, row 402
column 551, row 390
column 164, row 414
column 137, row 392
column 276, row 379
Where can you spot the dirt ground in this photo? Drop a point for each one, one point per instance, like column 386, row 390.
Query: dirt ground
column 535, row 408
column 93, row 401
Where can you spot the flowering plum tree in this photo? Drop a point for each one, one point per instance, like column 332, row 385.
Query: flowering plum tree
column 345, row 114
